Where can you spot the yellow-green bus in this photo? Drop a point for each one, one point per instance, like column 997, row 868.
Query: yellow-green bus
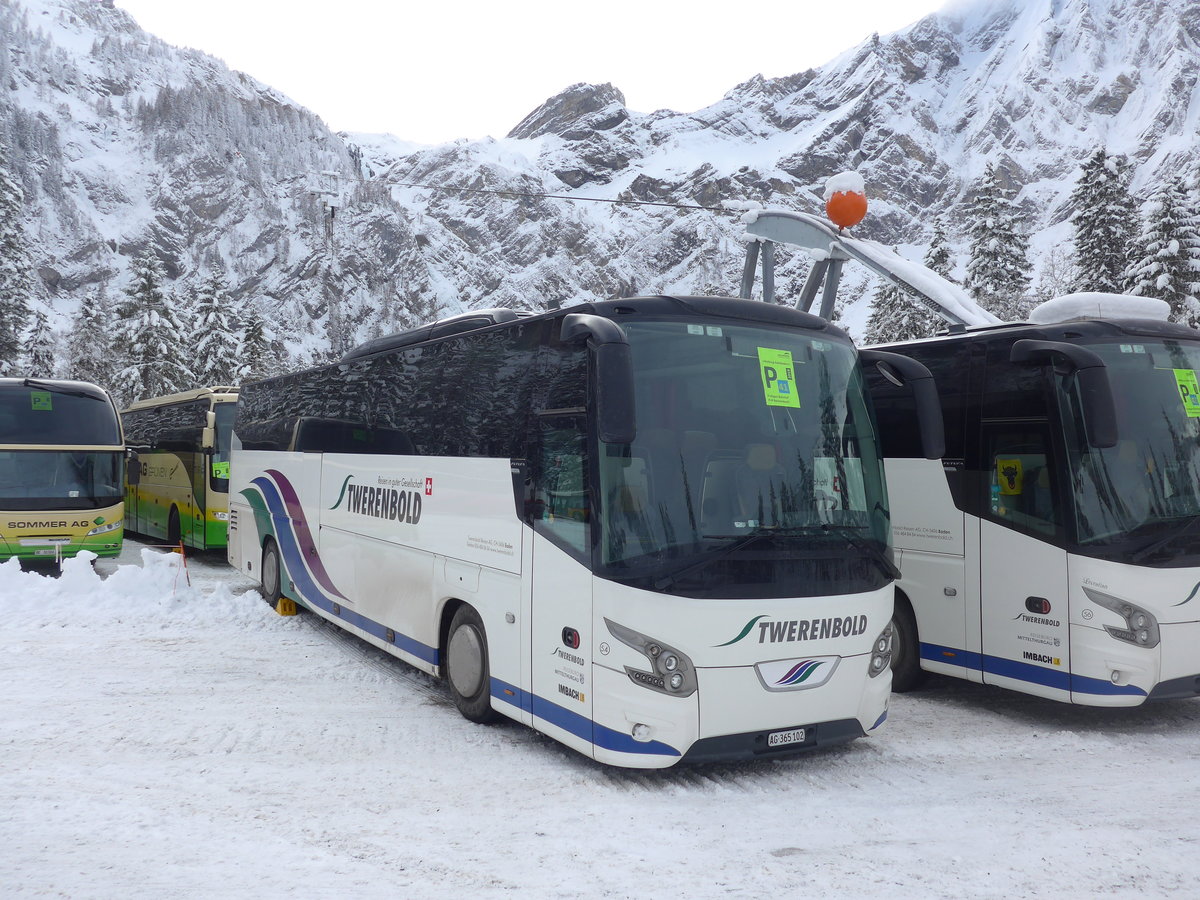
column 62, row 460
column 178, row 483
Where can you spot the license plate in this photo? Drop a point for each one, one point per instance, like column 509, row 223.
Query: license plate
column 783, row 738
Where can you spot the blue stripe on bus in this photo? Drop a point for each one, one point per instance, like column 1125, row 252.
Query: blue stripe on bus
column 580, row 726
column 312, row 595
column 879, row 721
column 1021, row 671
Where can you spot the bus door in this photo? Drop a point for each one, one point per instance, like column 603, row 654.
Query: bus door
column 561, row 690
column 1023, row 567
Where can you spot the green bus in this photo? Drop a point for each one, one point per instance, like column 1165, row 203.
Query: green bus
column 177, row 489
column 61, row 470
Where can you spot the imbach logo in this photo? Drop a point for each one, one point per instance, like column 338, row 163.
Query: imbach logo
column 380, row 502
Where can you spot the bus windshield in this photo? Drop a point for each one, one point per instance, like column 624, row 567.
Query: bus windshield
column 755, row 470
column 1144, row 492
column 34, row 412
column 225, row 413
column 60, row 479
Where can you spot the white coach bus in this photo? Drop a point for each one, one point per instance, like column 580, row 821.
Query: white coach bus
column 1056, row 550
column 654, row 529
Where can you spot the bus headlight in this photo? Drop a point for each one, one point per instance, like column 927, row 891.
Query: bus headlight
column 106, row 527
column 881, row 653
column 1141, row 628
column 670, row 671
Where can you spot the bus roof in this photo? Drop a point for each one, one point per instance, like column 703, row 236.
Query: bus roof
column 1085, row 327
column 58, row 384
column 720, row 307
column 219, row 394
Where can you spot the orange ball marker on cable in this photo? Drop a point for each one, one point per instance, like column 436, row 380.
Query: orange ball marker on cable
column 846, row 199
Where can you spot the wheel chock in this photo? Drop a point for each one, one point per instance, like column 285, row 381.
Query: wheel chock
column 286, row 606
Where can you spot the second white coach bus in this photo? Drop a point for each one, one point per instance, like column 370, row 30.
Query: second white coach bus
column 1056, row 551
column 654, row 529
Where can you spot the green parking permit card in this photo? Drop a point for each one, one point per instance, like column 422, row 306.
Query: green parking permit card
column 41, row 400
column 1189, row 391
column 221, row 469
column 778, row 377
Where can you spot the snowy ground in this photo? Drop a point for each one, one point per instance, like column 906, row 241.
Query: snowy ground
column 160, row 740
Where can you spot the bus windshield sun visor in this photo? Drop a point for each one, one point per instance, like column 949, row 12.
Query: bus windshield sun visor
column 59, row 389
column 904, row 371
column 1095, row 393
column 614, row 373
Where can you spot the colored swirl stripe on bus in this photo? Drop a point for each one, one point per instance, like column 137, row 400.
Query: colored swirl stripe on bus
column 299, row 524
column 304, row 567
column 1011, row 668
column 300, row 555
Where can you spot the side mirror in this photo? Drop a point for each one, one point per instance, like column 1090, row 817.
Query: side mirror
column 208, row 437
column 1091, row 374
column 606, row 339
column 905, row 372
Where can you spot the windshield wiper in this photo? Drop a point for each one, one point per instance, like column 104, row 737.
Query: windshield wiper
column 876, row 555
column 1176, row 532
column 743, row 540
column 58, row 389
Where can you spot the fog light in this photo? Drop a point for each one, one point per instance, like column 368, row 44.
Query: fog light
column 1116, row 676
column 641, row 732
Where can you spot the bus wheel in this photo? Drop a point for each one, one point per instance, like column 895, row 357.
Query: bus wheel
column 907, row 673
column 271, row 573
column 173, row 531
column 467, row 666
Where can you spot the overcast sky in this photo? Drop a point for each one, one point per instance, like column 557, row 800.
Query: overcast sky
column 435, row 71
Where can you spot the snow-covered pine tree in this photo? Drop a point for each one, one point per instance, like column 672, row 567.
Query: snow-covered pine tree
column 16, row 271
column 1161, row 266
column 998, row 265
column 90, row 341
column 1191, row 246
column 1057, row 275
column 39, row 348
column 939, row 257
column 897, row 316
column 150, row 339
column 1105, row 220
column 216, row 334
column 255, row 348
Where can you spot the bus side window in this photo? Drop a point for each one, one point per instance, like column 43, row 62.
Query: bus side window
column 1022, row 490
column 563, row 508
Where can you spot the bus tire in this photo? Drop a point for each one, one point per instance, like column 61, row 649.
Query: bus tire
column 907, row 673
column 173, row 530
column 467, row 670
column 271, row 573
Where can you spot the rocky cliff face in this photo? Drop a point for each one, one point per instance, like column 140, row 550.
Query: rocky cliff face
column 122, row 143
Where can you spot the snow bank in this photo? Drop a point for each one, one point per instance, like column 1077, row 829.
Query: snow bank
column 1096, row 305
column 154, row 594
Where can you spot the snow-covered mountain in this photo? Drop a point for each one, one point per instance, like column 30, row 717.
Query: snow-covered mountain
column 123, row 143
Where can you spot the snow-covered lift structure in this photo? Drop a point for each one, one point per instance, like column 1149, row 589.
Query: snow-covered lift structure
column 832, row 249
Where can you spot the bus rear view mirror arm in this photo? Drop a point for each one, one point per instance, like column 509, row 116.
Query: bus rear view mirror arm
column 903, row 371
column 1100, row 418
column 614, row 373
